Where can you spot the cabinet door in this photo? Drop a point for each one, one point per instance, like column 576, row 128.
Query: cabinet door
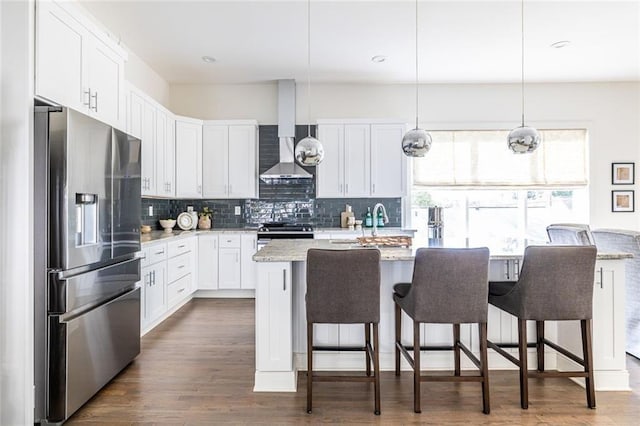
column 243, row 171
column 170, row 157
column 388, row 163
column 608, row 322
column 155, row 302
column 330, row 172
column 148, row 149
column 59, row 64
column 161, row 140
column 357, row 163
column 136, row 113
column 215, row 154
column 207, row 262
column 188, row 159
column 229, row 268
column 105, row 71
column 248, row 268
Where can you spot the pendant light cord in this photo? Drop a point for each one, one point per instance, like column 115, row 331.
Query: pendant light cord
column 308, row 68
column 522, row 56
column 417, row 64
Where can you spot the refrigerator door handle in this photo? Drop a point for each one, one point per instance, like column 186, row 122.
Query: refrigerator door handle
column 68, row 274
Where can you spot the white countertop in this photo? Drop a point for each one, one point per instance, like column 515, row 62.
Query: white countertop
column 155, row 236
column 296, row 251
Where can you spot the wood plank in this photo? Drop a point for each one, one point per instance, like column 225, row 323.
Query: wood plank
column 197, row 368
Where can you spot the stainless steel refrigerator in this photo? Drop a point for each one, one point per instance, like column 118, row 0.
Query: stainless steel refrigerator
column 86, row 243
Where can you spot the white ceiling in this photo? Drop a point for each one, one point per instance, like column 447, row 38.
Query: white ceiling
column 460, row 41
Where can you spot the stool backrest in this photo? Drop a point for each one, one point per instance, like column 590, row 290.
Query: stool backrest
column 556, row 283
column 572, row 234
column 449, row 285
column 343, row 286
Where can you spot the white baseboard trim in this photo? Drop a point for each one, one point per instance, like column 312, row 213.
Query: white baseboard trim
column 276, row 381
column 604, row 380
column 226, row 294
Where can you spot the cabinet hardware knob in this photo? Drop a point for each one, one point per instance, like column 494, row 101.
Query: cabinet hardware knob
column 601, row 278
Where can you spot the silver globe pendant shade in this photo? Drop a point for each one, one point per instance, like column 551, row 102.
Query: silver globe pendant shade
column 523, row 139
column 309, row 151
column 416, row 142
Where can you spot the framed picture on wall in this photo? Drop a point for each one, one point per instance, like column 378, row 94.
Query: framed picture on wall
column 622, row 201
column 622, row 173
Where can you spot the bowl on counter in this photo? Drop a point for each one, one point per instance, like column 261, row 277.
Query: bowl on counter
column 167, row 224
column 145, row 229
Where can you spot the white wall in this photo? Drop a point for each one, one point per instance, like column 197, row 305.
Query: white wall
column 142, row 76
column 611, row 112
column 16, row 218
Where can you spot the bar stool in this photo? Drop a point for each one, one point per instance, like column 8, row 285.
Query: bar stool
column 449, row 286
column 343, row 287
column 555, row 284
column 573, row 234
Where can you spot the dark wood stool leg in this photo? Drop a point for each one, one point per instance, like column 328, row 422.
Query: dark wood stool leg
column 416, row 367
column 522, row 350
column 585, row 325
column 376, row 367
column 456, row 349
column 309, row 365
column 484, row 368
column 540, row 344
column 398, row 324
column 367, row 342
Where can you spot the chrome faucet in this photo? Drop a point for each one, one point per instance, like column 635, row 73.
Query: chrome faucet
column 374, row 231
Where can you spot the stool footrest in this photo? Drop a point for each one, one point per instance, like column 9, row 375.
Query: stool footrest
column 559, row 374
column 340, row 348
column 337, row 378
column 507, row 355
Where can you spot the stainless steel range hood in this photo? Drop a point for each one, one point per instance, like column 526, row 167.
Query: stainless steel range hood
column 286, row 167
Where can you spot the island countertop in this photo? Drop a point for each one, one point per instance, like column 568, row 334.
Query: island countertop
column 295, row 250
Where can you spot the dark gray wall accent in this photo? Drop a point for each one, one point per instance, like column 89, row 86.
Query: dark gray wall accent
column 289, row 200
column 284, row 189
column 327, row 211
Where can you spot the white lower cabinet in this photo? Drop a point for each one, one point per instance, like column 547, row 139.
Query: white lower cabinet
column 225, row 261
column 168, row 271
column 208, row 262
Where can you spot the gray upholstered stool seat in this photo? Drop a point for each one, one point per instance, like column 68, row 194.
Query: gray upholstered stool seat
column 555, row 283
column 343, row 287
column 449, row 286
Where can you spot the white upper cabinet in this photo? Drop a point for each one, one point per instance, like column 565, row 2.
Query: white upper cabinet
column 188, row 158
column 76, row 65
column 148, row 138
column 361, row 160
column 215, row 161
column 165, row 153
column 357, row 167
column 229, row 157
column 388, row 162
column 330, row 173
column 60, row 41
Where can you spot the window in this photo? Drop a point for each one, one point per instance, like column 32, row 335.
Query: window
column 495, row 198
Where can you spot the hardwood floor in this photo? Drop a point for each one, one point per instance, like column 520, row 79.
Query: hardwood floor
column 197, row 368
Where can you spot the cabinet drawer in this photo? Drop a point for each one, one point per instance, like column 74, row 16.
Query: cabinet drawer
column 179, row 247
column 155, row 253
column 179, row 266
column 230, row 241
column 178, row 290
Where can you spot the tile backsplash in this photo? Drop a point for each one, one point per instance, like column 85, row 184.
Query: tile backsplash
column 290, row 200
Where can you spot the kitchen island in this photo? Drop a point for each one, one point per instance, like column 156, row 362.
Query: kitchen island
column 281, row 319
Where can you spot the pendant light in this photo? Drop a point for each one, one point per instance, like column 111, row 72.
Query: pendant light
column 309, row 151
column 416, row 142
column 523, row 139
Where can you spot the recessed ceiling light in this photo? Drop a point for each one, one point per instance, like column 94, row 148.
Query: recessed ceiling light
column 209, row 59
column 560, row 44
column 378, row 59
